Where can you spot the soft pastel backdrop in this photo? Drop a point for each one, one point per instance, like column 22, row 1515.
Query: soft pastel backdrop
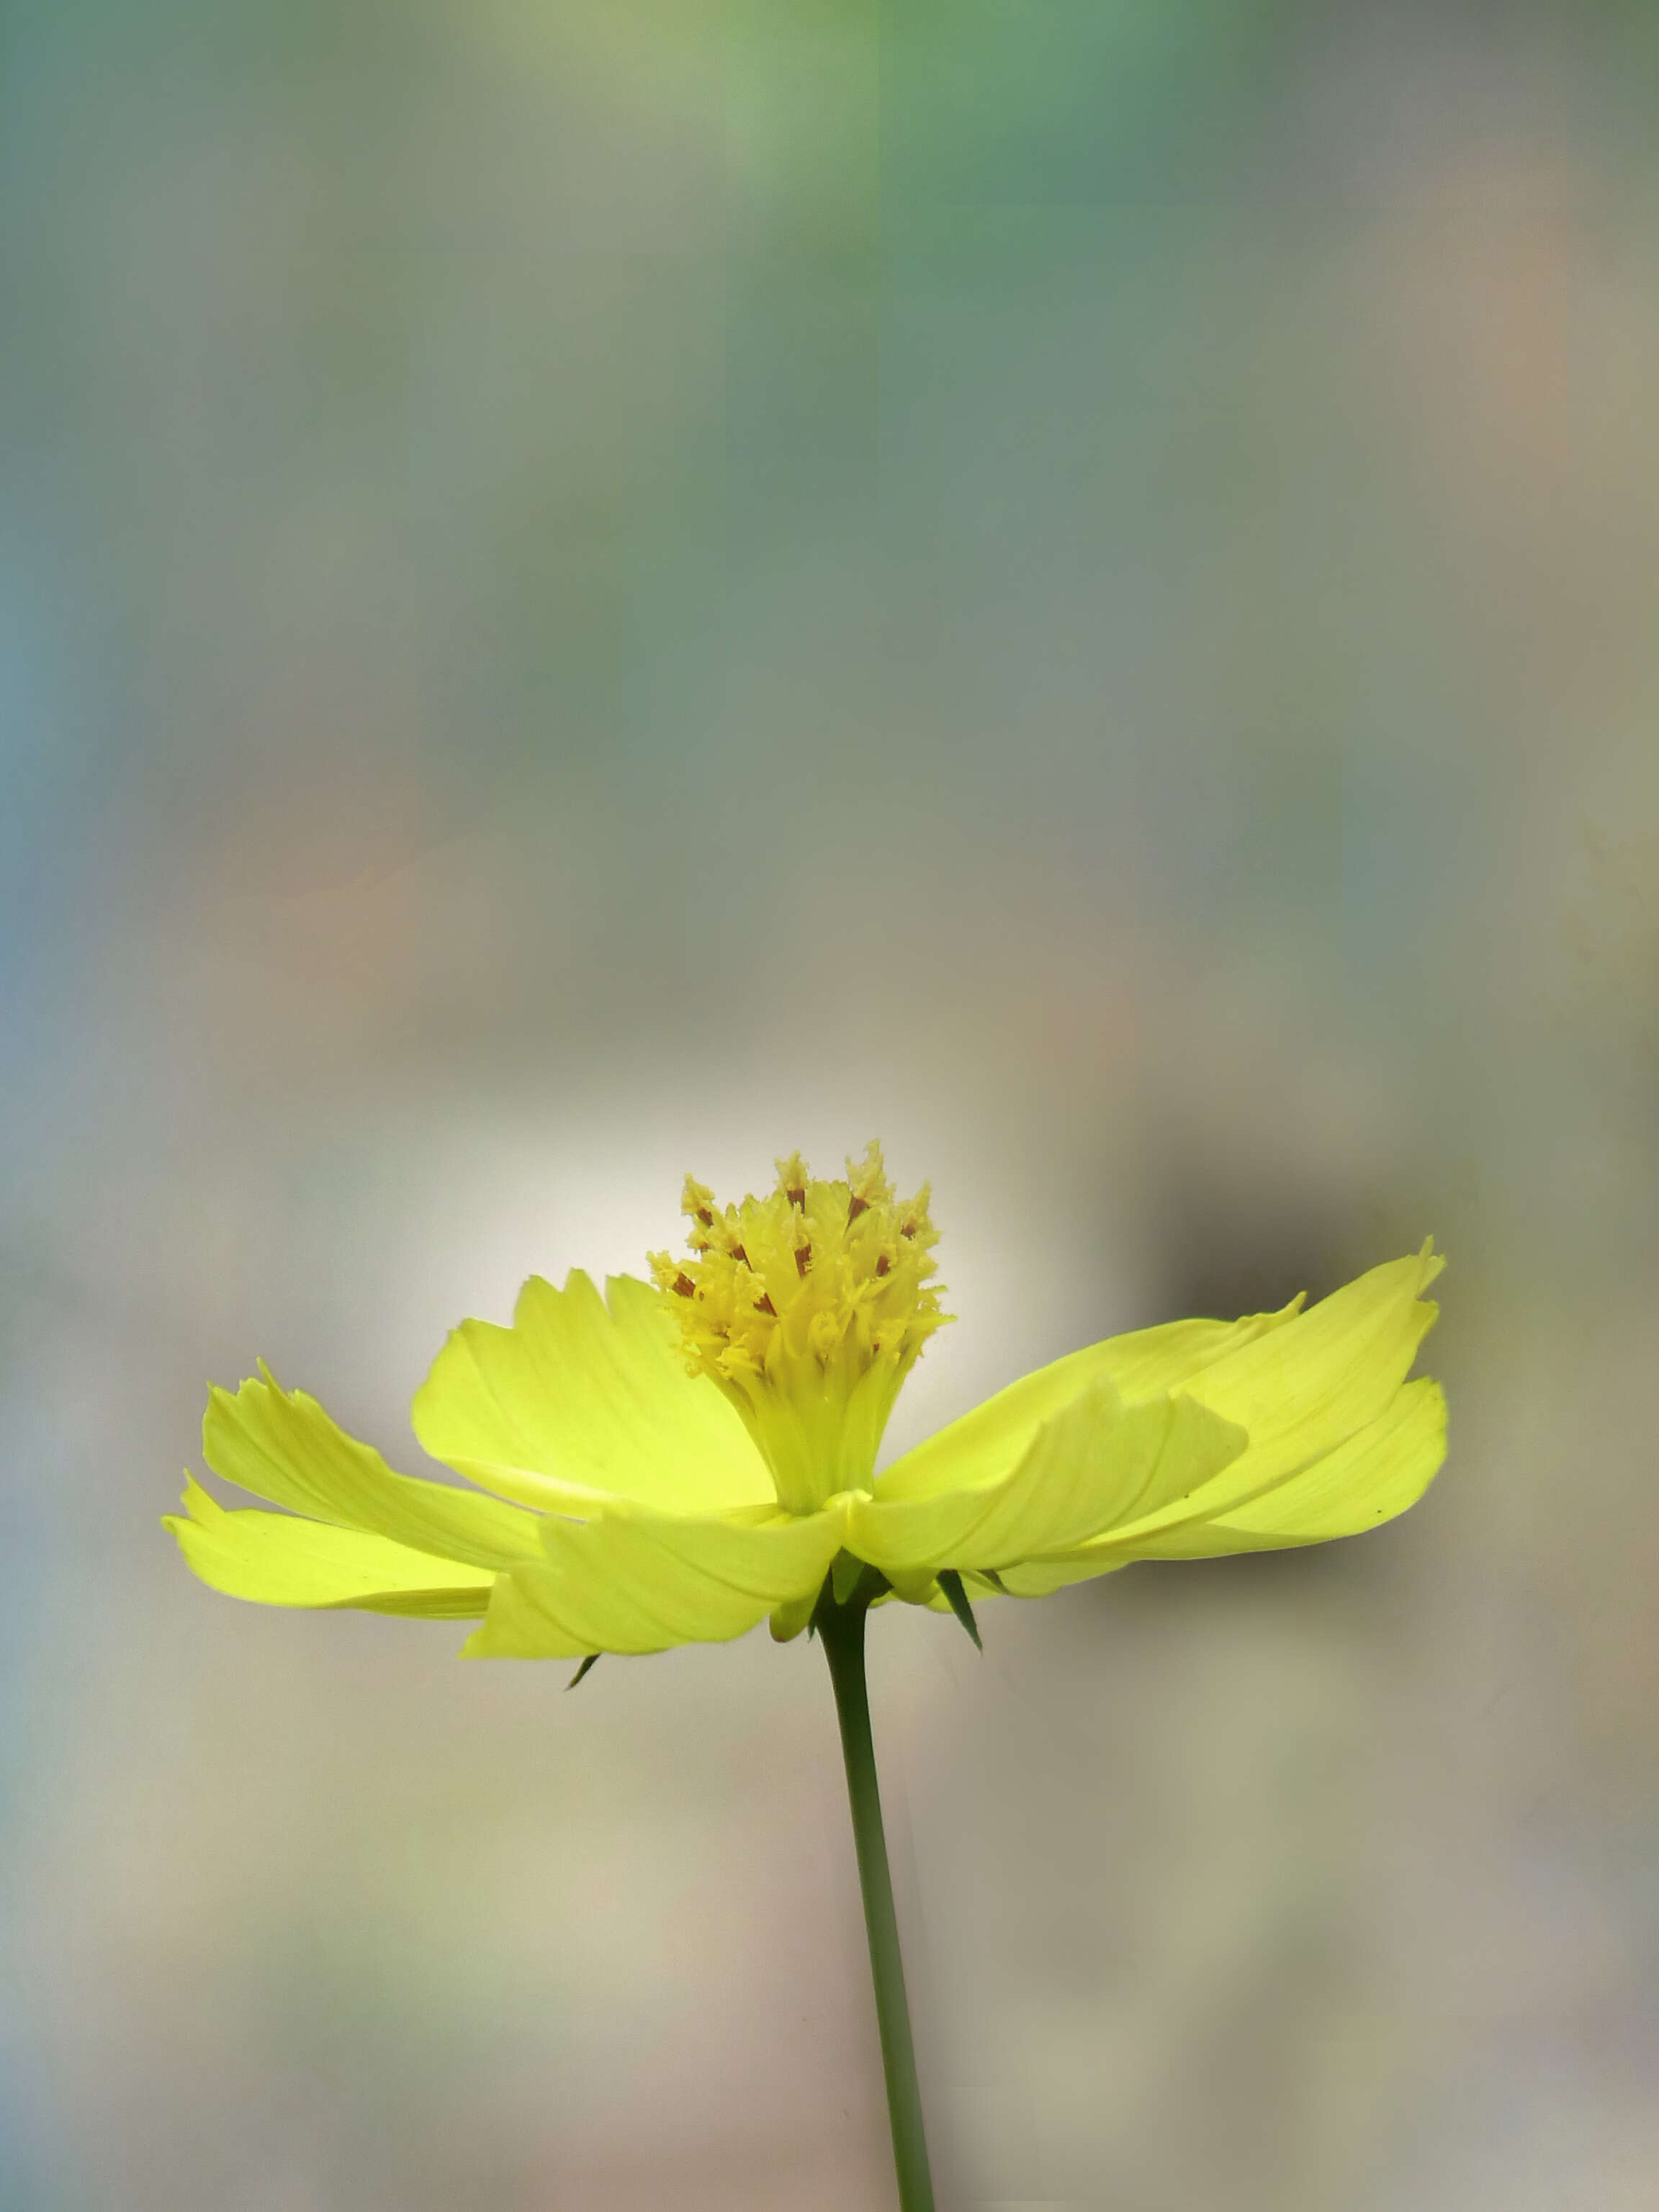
column 599, row 587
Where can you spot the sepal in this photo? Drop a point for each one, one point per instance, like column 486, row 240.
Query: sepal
column 951, row 1582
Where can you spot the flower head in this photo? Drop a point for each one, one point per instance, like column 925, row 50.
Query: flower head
column 808, row 1309
column 681, row 1458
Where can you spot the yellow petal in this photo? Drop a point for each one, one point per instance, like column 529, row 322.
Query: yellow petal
column 1309, row 1386
column 989, row 1441
column 282, row 1445
column 1377, row 1473
column 581, row 1401
column 791, row 1616
column 1096, row 1463
column 641, row 1581
column 276, row 1559
column 1043, row 1577
column 1371, row 1477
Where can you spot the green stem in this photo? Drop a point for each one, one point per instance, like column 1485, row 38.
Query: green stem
column 842, row 1627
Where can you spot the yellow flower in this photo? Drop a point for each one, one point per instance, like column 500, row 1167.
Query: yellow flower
column 680, row 1459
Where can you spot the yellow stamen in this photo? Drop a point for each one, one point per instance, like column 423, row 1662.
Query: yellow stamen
column 808, row 1307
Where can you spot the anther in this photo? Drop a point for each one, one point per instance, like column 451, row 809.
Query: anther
column 763, row 1305
column 883, row 1265
column 682, row 1285
column 856, row 1205
column 803, row 1259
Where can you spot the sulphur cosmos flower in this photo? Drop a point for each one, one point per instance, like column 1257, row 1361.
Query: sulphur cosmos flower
column 681, row 1458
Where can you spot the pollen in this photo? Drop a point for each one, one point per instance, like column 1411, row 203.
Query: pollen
column 807, row 1306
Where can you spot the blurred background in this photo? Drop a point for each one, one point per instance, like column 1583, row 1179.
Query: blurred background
column 600, row 588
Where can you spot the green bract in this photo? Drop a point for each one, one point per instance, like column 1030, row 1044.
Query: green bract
column 653, row 1466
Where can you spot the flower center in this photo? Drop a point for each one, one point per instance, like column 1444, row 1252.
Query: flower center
column 808, row 1307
